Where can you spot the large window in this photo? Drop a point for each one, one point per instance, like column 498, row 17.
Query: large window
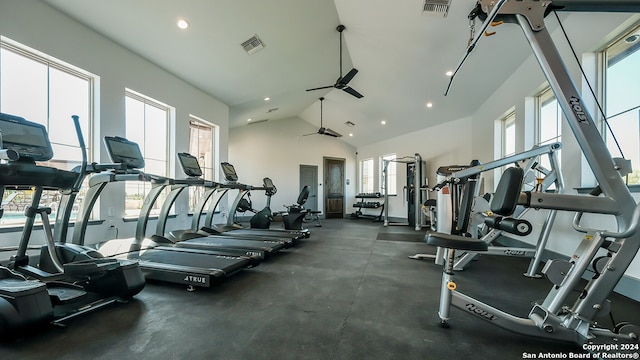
column 201, row 145
column 508, row 132
column 391, row 173
column 147, row 124
column 548, row 122
column 366, row 176
column 45, row 90
column 621, row 88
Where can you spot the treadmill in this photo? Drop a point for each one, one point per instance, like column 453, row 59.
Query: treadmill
column 59, row 287
column 158, row 261
column 214, row 192
column 231, row 177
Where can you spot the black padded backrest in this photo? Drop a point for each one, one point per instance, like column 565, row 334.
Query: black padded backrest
column 506, row 196
column 466, row 202
column 304, row 194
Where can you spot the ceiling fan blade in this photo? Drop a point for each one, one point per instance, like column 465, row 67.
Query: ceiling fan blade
column 320, row 88
column 353, row 92
column 332, row 133
column 315, row 133
column 345, row 79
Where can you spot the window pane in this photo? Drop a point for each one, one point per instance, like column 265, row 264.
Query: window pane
column 621, row 89
column 23, row 87
column 391, row 174
column 43, row 91
column 200, row 146
column 155, row 128
column 510, row 137
column 147, row 125
column 549, row 124
column 69, row 96
column 366, row 170
column 135, row 121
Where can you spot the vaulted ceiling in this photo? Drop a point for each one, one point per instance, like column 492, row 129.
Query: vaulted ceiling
column 401, row 52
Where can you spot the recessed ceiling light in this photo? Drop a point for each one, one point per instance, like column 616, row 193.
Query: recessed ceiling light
column 449, row 73
column 248, row 120
column 350, row 134
column 429, row 105
column 183, row 24
column 267, row 98
column 383, row 122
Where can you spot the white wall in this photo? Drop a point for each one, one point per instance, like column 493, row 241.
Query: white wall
column 276, row 149
column 38, row 26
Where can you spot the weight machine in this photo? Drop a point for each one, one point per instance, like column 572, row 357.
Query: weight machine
column 536, row 177
column 413, row 190
column 554, row 317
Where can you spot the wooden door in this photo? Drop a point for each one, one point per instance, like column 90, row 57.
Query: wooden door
column 334, row 187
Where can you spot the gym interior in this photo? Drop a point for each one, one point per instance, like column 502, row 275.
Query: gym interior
column 189, row 179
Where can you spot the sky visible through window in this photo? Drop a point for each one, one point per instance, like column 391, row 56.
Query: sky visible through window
column 622, row 89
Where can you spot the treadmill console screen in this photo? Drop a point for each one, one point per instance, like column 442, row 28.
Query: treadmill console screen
column 28, row 139
column 189, row 164
column 123, row 151
column 229, row 172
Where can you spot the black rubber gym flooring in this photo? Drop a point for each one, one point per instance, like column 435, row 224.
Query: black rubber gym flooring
column 348, row 292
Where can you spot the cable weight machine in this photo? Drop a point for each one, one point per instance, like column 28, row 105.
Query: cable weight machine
column 412, row 191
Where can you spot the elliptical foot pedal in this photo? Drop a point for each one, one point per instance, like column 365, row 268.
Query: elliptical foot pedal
column 64, row 293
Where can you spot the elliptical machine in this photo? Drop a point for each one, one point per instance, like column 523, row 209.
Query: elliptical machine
column 261, row 219
column 73, row 285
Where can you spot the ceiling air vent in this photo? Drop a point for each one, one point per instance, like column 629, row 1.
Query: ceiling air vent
column 350, row 124
column 272, row 110
column 253, row 44
column 436, row 7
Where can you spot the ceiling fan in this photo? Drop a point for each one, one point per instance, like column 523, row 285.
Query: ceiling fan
column 323, row 130
column 343, row 81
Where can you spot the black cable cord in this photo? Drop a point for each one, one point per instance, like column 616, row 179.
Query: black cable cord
column 625, row 111
column 575, row 56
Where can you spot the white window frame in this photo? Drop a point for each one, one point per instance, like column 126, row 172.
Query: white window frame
column 619, row 49
column 366, row 175
column 86, row 115
column 393, row 175
column 205, row 160
column 142, row 188
column 545, row 98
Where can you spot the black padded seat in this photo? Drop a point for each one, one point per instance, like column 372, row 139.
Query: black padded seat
column 456, row 242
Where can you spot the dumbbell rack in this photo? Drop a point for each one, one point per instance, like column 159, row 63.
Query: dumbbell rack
column 362, row 204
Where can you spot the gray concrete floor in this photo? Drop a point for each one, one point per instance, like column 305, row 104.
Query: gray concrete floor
column 348, row 292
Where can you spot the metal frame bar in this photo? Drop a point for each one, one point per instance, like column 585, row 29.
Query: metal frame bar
column 417, row 183
column 553, row 319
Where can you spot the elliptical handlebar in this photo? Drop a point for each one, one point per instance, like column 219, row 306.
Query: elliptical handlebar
column 83, row 166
